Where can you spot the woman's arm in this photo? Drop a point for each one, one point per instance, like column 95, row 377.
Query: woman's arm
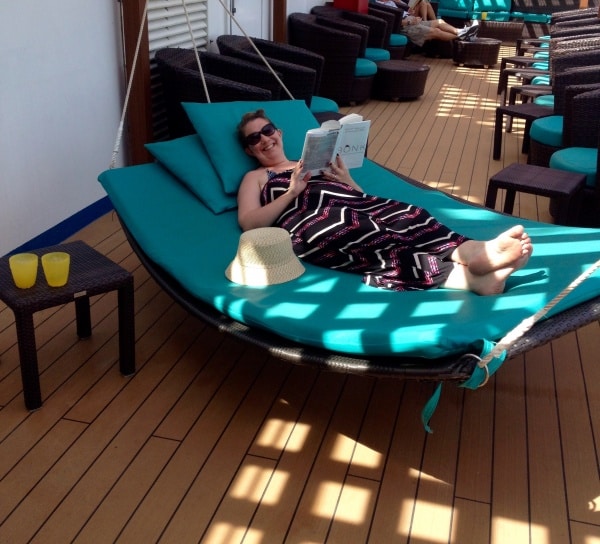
column 251, row 215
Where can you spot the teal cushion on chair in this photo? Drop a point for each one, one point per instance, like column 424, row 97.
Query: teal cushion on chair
column 541, row 80
column 545, row 100
column 376, row 54
column 319, row 104
column 583, row 160
column 364, row 68
column 398, row 40
column 547, row 130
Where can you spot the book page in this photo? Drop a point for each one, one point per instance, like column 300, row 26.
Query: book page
column 352, row 143
column 319, row 148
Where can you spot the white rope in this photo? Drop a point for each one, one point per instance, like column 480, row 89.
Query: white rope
column 196, row 54
column 529, row 322
column 129, row 86
column 257, row 50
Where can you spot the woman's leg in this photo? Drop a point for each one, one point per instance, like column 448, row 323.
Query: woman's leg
column 436, row 33
column 429, row 13
column 492, row 283
column 510, row 249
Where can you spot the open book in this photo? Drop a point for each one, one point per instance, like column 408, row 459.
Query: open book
column 348, row 137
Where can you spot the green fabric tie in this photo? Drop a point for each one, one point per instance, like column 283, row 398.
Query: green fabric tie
column 478, row 377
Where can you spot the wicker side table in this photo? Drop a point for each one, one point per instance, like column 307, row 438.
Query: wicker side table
column 91, row 274
column 476, row 52
column 564, row 186
column 400, row 80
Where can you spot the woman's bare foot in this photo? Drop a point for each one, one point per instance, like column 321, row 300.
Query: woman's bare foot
column 510, row 250
column 492, row 283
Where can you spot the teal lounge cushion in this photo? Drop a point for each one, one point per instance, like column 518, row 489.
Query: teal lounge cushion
column 540, row 65
column 365, row 68
column 548, row 130
column 541, row 80
column 545, row 100
column 320, row 104
column 398, row 40
column 583, row 160
column 218, row 133
column 377, row 54
column 187, row 160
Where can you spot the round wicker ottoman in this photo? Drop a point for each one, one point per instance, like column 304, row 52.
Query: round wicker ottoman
column 400, row 80
column 477, row 52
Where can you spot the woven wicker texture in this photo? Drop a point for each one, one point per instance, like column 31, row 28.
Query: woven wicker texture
column 477, row 52
column 181, row 81
column 339, row 49
column 295, row 64
column 400, row 80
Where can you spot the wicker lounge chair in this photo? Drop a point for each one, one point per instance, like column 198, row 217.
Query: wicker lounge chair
column 341, row 51
column 181, row 84
column 301, row 70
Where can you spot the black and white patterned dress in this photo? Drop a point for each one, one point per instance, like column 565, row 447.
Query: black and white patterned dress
column 393, row 245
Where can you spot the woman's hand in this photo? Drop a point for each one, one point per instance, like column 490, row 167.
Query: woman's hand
column 338, row 171
column 297, row 180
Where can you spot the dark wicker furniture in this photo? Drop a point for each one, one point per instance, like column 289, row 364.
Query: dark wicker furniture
column 288, row 60
column 578, row 104
column 91, row 273
column 400, row 80
column 528, row 111
column 526, row 178
column 564, row 77
column 378, row 33
column 181, row 82
column 505, row 31
column 340, row 51
column 476, row 52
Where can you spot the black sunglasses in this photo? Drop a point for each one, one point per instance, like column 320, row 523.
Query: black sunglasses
column 253, row 138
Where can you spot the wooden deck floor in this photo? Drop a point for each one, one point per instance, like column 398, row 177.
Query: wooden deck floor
column 214, row 441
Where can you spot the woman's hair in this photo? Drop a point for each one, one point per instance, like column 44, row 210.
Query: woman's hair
column 246, row 118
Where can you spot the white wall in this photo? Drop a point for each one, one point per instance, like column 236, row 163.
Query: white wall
column 302, row 6
column 61, row 95
column 60, row 104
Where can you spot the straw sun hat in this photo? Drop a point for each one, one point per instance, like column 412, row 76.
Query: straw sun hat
column 264, row 257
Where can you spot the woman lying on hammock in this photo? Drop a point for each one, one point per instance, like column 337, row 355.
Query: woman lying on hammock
column 334, row 224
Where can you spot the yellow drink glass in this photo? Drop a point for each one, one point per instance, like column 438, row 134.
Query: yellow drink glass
column 56, row 268
column 24, row 268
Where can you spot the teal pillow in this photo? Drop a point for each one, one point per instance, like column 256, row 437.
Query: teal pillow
column 216, row 125
column 187, row 160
